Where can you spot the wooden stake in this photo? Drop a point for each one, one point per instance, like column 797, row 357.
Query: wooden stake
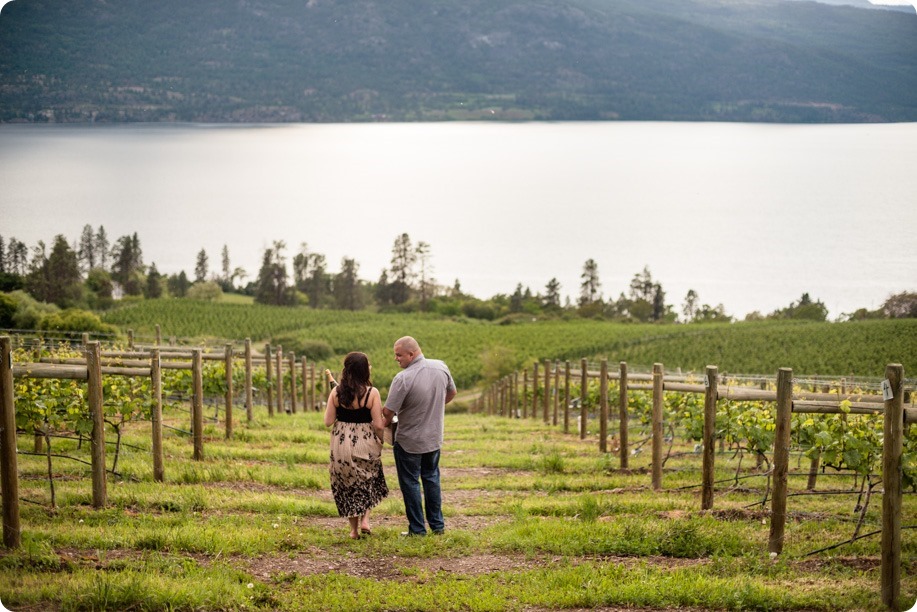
column 603, row 407
column 584, row 391
column 657, row 426
column 891, row 477
column 156, row 380
column 96, row 410
column 9, row 468
column 228, row 366
column 709, row 440
column 197, row 404
column 622, row 415
column 249, row 410
column 781, row 459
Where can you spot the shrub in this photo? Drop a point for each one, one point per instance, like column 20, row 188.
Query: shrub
column 7, row 310
column 314, row 350
column 29, row 311
column 208, row 291
column 75, row 321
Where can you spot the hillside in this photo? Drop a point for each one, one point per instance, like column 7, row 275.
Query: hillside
column 856, row 348
column 365, row 60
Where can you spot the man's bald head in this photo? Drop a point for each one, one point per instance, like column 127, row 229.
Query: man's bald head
column 406, row 349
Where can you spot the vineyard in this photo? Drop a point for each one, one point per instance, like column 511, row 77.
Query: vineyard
column 277, row 458
column 840, row 349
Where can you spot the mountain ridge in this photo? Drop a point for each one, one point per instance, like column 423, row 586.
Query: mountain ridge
column 402, row 60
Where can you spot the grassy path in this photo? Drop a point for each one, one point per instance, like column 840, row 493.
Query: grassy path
column 536, row 520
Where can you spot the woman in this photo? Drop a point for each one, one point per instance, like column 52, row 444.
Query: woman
column 355, row 410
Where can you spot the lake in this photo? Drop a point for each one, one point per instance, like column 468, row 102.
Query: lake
column 748, row 215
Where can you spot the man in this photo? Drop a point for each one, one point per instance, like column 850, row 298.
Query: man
column 418, row 395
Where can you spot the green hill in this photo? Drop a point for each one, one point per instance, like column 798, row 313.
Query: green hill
column 365, row 60
column 860, row 348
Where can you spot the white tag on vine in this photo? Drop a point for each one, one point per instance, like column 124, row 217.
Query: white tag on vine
column 887, row 392
column 706, row 381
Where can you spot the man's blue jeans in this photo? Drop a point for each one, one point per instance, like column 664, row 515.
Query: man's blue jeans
column 412, row 470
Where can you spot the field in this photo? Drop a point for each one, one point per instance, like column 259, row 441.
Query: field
column 858, row 348
column 536, row 520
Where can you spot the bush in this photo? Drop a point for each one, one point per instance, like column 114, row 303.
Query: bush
column 74, row 321
column 7, row 310
column 29, row 311
column 314, row 350
column 208, row 291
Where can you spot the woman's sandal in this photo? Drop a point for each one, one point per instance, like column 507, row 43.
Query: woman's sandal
column 365, row 531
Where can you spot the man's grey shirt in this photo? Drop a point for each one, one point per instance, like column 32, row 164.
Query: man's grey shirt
column 418, row 396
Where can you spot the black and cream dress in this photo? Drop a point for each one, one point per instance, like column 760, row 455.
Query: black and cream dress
column 357, row 481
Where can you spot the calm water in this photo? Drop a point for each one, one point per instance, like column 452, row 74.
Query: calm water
column 749, row 216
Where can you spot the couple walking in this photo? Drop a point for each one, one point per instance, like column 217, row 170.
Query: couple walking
column 418, row 396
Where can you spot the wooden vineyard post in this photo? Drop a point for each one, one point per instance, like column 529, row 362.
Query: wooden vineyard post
column 197, row 404
column 567, row 396
column 228, row 361
column 96, row 410
column 546, row 401
column 268, row 367
column 515, row 402
column 781, row 459
column 603, row 407
column 709, row 441
column 305, row 384
column 156, row 383
column 525, row 387
column 312, row 388
column 130, row 339
column 280, row 407
column 249, row 411
column 813, row 472
column 158, row 335
column 584, row 392
column 292, row 359
column 535, row 390
column 893, row 390
column 622, row 415
column 556, row 398
column 9, row 467
column 657, row 426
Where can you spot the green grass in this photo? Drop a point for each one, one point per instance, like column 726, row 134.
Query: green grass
column 536, row 519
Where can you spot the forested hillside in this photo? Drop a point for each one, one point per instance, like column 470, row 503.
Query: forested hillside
column 369, row 60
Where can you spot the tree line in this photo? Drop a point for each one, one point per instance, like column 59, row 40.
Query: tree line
column 94, row 273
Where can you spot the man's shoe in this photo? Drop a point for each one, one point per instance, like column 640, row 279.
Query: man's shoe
column 439, row 531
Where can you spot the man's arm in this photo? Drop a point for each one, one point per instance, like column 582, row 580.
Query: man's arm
column 450, row 395
column 388, row 415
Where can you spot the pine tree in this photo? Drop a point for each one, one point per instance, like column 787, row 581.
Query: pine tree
column 347, row 286
column 552, row 294
column 403, row 259
column 87, row 249
column 589, row 288
column 201, row 267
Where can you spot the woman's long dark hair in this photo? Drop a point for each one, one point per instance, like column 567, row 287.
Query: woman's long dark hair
column 354, row 379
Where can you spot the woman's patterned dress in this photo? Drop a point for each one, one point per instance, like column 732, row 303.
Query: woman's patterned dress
column 357, row 480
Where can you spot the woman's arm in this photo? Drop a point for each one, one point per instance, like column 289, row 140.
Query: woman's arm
column 375, row 409
column 330, row 410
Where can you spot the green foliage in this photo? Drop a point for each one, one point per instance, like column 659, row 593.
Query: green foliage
column 73, row 321
column 313, row 350
column 208, row 291
column 858, row 347
column 7, row 310
column 29, row 311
